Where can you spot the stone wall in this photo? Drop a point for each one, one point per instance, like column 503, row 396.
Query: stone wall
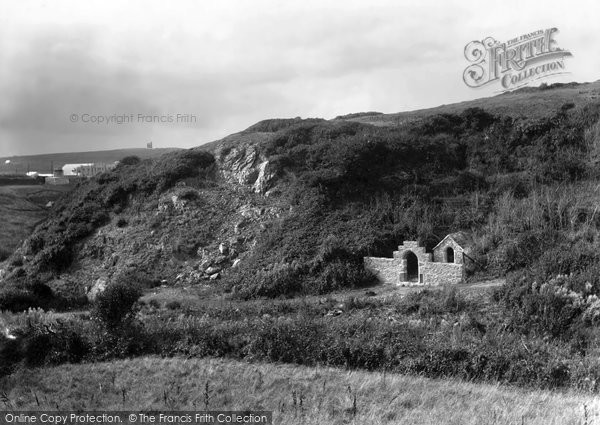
column 422, row 257
column 387, row 270
column 433, row 268
column 413, row 247
column 443, row 273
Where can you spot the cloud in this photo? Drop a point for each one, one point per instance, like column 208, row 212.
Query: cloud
column 233, row 63
column 54, row 75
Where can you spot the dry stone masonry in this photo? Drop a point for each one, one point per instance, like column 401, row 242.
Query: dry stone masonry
column 411, row 265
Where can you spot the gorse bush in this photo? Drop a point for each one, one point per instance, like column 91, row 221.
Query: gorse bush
column 18, row 299
column 32, row 294
column 434, row 302
column 281, row 279
column 114, row 307
column 557, row 295
column 339, row 274
column 44, row 339
column 130, row 160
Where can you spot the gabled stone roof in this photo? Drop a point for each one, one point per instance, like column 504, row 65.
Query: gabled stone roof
column 463, row 239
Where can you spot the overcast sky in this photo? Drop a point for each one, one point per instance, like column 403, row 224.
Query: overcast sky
column 232, row 63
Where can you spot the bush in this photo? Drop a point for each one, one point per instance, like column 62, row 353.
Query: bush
column 18, row 299
column 282, row 279
column 115, row 306
column 179, row 165
column 188, row 194
column 43, row 339
column 434, row 302
column 343, row 274
column 130, row 160
column 173, row 305
column 547, row 308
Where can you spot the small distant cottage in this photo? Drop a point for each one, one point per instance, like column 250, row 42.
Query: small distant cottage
column 411, row 265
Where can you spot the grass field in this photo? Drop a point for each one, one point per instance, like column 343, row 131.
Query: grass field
column 21, row 207
column 295, row 394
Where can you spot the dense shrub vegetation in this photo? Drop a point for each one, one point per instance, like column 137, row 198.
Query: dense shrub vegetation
column 432, row 333
column 356, row 189
column 514, row 183
column 526, row 189
column 94, row 202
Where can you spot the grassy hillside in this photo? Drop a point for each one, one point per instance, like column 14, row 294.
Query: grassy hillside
column 23, row 205
column 21, row 208
column 289, row 207
column 295, row 394
column 41, row 163
column 531, row 102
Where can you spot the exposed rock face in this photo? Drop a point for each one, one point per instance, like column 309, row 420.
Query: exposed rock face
column 266, row 177
column 189, row 233
column 97, row 288
column 239, row 164
column 244, row 165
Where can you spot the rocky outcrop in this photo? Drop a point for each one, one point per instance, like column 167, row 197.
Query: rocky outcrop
column 239, row 164
column 244, row 165
column 97, row 288
column 266, row 177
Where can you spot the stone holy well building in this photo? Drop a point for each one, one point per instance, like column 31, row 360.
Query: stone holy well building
column 411, row 265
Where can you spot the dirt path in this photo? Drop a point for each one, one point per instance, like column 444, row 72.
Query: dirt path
column 198, row 296
column 387, row 290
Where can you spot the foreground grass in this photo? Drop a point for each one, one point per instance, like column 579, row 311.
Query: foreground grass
column 296, row 395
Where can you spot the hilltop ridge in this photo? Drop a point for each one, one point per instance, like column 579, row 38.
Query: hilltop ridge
column 532, row 102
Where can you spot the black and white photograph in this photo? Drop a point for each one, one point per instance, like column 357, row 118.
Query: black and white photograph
column 300, row 212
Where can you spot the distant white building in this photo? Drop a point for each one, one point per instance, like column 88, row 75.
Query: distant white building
column 71, row 169
column 86, row 170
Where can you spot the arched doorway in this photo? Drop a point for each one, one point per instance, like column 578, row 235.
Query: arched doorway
column 449, row 255
column 412, row 266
